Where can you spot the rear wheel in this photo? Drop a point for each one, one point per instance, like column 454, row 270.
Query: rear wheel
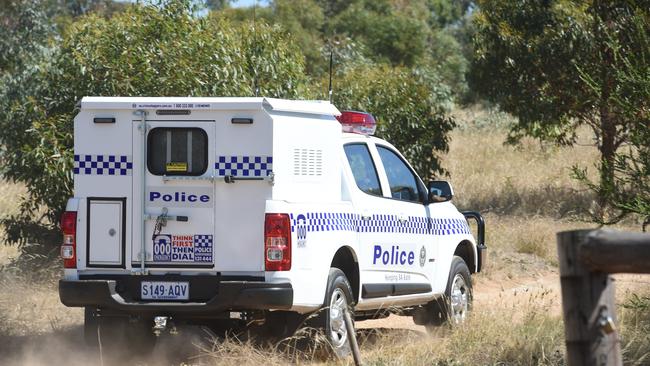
column 338, row 300
column 90, row 327
column 278, row 326
column 125, row 336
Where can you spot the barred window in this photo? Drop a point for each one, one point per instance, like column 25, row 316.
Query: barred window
column 177, row 151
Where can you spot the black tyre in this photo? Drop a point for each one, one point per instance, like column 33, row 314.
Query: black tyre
column 278, row 326
column 338, row 299
column 125, row 337
column 90, row 327
column 454, row 307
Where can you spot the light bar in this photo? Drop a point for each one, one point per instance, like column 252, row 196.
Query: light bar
column 357, row 122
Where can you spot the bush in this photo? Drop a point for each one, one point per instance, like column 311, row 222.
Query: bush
column 144, row 51
column 411, row 108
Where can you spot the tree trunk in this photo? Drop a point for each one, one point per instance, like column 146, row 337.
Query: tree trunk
column 602, row 20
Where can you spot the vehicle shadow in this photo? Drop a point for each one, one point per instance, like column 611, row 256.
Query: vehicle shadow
column 369, row 337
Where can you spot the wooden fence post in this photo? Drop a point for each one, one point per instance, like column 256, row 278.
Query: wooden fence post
column 588, row 306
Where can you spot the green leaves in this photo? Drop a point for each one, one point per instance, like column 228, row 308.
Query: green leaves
column 410, row 107
column 557, row 65
column 144, row 51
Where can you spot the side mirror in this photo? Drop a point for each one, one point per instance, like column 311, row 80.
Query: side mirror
column 440, row 191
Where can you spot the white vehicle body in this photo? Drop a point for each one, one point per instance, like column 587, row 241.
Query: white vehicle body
column 255, row 156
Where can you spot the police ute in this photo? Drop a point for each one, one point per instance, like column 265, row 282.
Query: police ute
column 254, row 213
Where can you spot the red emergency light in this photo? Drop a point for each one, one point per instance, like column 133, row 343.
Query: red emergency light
column 358, row 122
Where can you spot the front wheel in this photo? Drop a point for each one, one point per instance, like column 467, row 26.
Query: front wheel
column 459, row 294
column 454, row 307
column 338, row 300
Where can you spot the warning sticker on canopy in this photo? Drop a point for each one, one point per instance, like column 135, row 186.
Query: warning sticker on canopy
column 176, row 167
column 182, row 248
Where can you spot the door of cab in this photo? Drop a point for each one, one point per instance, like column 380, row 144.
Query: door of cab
column 406, row 194
column 392, row 253
column 178, row 194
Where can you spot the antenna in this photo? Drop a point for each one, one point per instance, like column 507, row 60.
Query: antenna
column 255, row 86
column 331, row 63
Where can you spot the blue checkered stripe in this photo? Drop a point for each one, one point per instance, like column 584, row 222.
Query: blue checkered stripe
column 449, row 226
column 392, row 224
column 327, row 221
column 244, row 166
column 103, row 165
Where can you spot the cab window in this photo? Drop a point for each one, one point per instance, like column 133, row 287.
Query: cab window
column 401, row 179
column 177, row 151
column 363, row 169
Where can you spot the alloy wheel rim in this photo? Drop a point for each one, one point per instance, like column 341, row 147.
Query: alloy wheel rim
column 459, row 299
column 338, row 332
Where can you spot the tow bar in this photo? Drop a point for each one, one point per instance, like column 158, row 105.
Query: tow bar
column 160, row 325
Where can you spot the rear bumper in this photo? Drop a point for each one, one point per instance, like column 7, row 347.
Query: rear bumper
column 226, row 295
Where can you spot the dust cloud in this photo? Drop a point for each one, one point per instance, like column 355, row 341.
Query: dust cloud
column 67, row 347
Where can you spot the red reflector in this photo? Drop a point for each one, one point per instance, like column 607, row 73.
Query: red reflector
column 69, row 247
column 357, row 122
column 277, row 242
column 69, row 222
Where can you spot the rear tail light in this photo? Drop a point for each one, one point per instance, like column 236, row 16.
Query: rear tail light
column 69, row 246
column 277, row 242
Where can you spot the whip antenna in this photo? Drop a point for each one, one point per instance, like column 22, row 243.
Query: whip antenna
column 255, row 50
column 331, row 63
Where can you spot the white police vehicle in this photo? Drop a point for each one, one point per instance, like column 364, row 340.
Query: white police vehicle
column 265, row 210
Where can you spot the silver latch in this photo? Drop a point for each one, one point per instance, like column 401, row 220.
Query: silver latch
column 232, row 179
column 606, row 322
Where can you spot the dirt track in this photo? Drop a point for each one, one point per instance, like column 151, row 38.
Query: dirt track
column 489, row 293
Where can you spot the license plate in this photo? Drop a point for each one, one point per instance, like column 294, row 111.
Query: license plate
column 154, row 290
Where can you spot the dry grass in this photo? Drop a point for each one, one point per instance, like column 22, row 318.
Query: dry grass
column 635, row 326
column 519, row 244
column 9, row 194
column 525, row 180
column 30, row 308
column 491, row 337
column 523, row 330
